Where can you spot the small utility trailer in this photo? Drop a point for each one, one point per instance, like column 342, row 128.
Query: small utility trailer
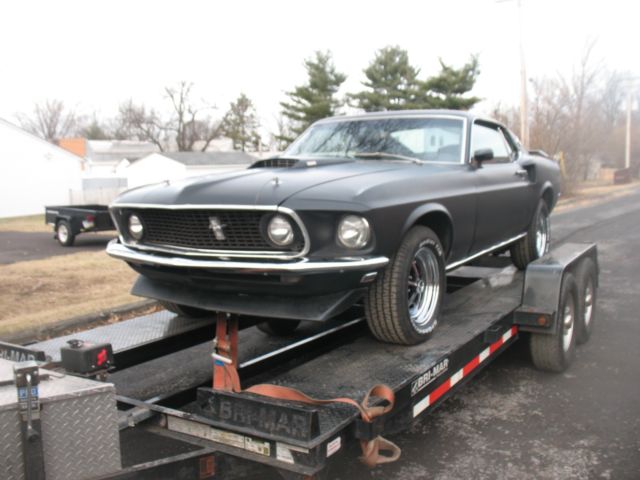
column 291, row 403
column 68, row 221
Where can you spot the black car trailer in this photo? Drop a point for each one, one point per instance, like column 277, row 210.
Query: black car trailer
column 193, row 426
column 68, row 221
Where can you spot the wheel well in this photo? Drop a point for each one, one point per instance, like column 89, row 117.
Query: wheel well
column 440, row 223
column 547, row 196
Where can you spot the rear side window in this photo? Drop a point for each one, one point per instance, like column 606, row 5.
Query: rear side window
column 484, row 136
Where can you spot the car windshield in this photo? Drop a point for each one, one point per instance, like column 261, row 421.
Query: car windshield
column 396, row 139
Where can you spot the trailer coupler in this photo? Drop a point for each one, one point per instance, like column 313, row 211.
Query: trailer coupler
column 378, row 401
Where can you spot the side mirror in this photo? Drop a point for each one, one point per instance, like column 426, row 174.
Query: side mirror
column 483, row 155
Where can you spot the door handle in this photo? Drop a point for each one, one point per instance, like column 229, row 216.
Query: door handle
column 522, row 173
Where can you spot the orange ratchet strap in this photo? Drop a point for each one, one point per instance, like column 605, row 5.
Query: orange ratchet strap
column 225, row 377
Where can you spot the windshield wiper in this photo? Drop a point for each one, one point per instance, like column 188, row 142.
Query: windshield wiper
column 394, row 156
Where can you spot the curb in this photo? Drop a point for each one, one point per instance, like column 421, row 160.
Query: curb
column 30, row 335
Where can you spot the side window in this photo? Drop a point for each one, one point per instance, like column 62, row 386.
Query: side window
column 484, row 136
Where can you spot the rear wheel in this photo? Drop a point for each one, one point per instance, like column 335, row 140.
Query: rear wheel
column 586, row 279
column 555, row 352
column 64, row 235
column 185, row 310
column 278, row 327
column 536, row 242
column 403, row 305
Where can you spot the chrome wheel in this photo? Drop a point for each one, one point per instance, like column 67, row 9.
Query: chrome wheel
column 63, row 233
column 543, row 230
column 423, row 288
column 568, row 322
column 588, row 303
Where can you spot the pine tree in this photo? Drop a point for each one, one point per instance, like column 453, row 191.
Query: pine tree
column 316, row 99
column 447, row 89
column 392, row 82
column 241, row 125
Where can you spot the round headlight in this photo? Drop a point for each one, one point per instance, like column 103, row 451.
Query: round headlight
column 280, row 231
column 353, row 231
column 136, row 230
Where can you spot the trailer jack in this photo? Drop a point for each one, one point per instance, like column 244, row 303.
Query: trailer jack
column 378, row 401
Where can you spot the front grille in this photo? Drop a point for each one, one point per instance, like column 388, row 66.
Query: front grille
column 191, row 229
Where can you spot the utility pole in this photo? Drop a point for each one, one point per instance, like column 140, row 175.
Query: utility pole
column 631, row 83
column 627, row 145
column 524, row 104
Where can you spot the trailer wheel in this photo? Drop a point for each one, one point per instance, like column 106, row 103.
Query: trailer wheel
column 64, row 235
column 403, row 304
column 278, row 328
column 586, row 278
column 555, row 352
column 536, row 243
column 185, row 310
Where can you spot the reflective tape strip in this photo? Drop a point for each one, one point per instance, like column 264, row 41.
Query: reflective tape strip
column 430, row 399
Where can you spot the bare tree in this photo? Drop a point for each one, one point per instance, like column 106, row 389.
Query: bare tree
column 50, row 120
column 578, row 115
column 190, row 123
column 137, row 122
column 187, row 124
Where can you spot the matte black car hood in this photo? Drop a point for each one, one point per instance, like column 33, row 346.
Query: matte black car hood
column 254, row 186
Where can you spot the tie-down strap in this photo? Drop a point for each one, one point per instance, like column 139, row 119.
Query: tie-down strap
column 371, row 449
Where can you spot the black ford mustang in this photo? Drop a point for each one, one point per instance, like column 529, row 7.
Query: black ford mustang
column 377, row 206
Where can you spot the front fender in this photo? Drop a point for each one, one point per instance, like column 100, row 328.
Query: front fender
column 423, row 210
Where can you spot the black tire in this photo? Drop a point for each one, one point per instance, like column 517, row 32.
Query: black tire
column 587, row 281
column 528, row 248
column 387, row 304
column 555, row 352
column 278, row 327
column 64, row 234
column 185, row 310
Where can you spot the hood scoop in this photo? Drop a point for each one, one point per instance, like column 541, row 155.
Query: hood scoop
column 277, row 162
column 294, row 162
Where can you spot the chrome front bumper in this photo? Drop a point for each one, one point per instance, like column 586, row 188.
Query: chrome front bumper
column 303, row 266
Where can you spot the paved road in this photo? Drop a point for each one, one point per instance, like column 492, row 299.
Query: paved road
column 20, row 246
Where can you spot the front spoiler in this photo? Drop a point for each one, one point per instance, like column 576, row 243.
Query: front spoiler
column 302, row 266
column 314, row 308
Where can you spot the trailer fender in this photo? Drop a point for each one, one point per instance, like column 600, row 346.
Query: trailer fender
column 540, row 307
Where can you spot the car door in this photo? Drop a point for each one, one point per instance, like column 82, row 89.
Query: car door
column 504, row 205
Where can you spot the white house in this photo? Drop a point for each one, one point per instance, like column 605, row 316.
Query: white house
column 103, row 156
column 158, row 167
column 34, row 172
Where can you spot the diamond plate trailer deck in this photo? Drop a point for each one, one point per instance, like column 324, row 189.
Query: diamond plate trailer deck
column 197, row 431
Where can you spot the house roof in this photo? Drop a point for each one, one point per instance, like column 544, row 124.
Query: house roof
column 36, row 138
column 210, row 158
column 113, row 151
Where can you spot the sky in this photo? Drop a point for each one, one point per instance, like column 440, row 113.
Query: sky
column 95, row 54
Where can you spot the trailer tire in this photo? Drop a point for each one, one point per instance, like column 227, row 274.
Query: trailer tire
column 278, row 327
column 64, row 234
column 185, row 310
column 587, row 281
column 536, row 242
column 403, row 305
column 555, row 352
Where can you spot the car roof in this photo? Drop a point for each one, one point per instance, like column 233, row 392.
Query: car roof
column 408, row 113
